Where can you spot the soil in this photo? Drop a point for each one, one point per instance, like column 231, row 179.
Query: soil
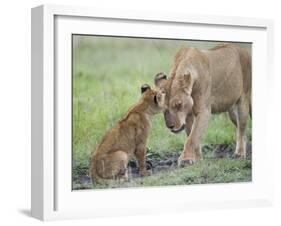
column 157, row 163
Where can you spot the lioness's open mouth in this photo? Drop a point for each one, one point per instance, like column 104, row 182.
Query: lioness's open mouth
column 178, row 130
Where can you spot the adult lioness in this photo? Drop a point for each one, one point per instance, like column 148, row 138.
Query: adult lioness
column 202, row 82
column 127, row 138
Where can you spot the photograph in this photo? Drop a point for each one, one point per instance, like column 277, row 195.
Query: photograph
column 160, row 112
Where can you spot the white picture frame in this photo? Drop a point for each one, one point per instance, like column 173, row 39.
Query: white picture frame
column 52, row 197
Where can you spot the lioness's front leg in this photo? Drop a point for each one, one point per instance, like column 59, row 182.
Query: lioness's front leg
column 192, row 148
column 189, row 123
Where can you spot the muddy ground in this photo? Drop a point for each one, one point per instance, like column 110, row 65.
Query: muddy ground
column 157, row 163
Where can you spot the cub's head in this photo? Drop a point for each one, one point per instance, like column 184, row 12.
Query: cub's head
column 153, row 98
column 178, row 101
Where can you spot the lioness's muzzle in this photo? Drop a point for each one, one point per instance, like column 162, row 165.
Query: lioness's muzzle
column 178, row 130
column 168, row 120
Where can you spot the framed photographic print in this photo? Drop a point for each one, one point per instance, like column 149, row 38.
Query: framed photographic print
column 137, row 112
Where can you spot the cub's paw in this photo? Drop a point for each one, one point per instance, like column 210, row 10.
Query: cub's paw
column 149, row 165
column 145, row 173
column 123, row 174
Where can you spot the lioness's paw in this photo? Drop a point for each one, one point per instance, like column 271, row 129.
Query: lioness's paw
column 239, row 156
column 182, row 162
column 186, row 162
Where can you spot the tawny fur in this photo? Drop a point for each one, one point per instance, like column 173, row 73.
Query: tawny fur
column 202, row 82
column 126, row 139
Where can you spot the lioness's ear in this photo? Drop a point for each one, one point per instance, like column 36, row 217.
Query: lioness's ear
column 159, row 78
column 186, row 82
column 186, row 78
column 144, row 88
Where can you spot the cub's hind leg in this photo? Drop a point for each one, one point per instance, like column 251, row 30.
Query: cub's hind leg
column 113, row 166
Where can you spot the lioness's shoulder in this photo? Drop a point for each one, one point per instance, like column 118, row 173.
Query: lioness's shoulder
column 180, row 55
column 221, row 45
column 198, row 56
column 191, row 54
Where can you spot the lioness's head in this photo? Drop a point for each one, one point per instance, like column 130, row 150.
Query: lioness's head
column 153, row 98
column 178, row 101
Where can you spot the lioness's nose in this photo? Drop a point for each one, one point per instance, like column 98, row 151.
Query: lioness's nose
column 168, row 120
column 171, row 126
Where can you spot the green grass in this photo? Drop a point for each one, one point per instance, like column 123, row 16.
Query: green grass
column 203, row 172
column 107, row 76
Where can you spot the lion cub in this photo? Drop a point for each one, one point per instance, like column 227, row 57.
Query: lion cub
column 127, row 139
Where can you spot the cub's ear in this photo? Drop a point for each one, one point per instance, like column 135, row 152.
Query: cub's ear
column 159, row 78
column 144, row 88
